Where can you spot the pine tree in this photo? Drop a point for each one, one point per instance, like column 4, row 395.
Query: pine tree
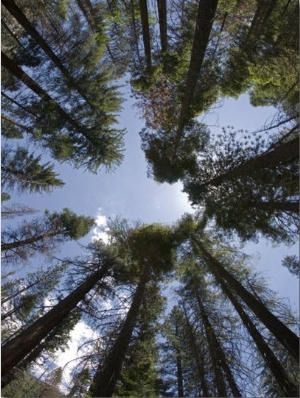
column 24, row 171
column 43, row 234
column 16, row 349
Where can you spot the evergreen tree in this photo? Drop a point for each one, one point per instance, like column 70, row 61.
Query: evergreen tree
column 43, row 234
column 24, row 171
column 17, row 348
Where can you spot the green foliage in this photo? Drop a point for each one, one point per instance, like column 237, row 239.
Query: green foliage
column 27, row 385
column 71, row 225
column 153, row 246
column 170, row 159
column 24, row 171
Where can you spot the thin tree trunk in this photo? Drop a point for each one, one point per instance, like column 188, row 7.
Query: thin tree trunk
column 14, row 122
column 195, row 353
column 15, row 350
column 17, row 13
column 292, row 206
column 146, row 32
column 214, row 349
column 284, row 153
column 283, row 334
column 288, row 388
column 29, row 241
column 37, row 89
column 108, row 373
column 204, row 22
column 179, row 366
column 162, row 16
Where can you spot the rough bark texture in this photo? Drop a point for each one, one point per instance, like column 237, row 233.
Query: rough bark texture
column 204, row 23
column 162, row 16
column 179, row 367
column 146, row 32
column 288, row 388
column 36, row 88
column 199, row 362
column 26, row 24
column 283, row 334
column 16, row 349
column 214, row 349
column 282, row 154
column 107, row 375
column 29, row 241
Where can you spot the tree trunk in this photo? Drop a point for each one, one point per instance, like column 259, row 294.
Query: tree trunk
column 146, row 32
column 288, row 388
column 283, row 334
column 214, row 349
column 179, row 366
column 195, row 353
column 29, row 241
column 282, row 154
column 17, row 13
column 108, row 373
column 15, row 350
column 37, row 89
column 162, row 16
column 204, row 23
column 292, row 206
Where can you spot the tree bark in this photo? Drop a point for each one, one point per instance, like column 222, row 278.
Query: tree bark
column 17, row 13
column 146, row 32
column 108, row 373
column 284, row 153
column 288, row 388
column 214, row 349
column 179, row 366
column 15, row 350
column 162, row 16
column 204, row 22
column 37, row 89
column 292, row 206
column 29, row 241
column 195, row 353
column 283, row 334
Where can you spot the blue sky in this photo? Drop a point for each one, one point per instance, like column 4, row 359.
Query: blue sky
column 127, row 192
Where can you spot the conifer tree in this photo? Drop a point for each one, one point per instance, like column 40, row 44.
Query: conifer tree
column 24, row 171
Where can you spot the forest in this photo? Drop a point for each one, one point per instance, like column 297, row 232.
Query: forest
column 171, row 309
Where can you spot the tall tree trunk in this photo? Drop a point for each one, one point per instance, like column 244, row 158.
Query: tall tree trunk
column 282, row 154
column 288, row 388
column 37, row 89
column 179, row 366
column 162, row 16
column 283, row 334
column 17, row 13
column 146, row 31
column 204, row 22
column 195, row 354
column 29, row 241
column 108, row 373
column 214, row 349
column 292, row 206
column 15, row 350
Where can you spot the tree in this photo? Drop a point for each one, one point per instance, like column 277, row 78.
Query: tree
column 165, row 162
column 282, row 333
column 24, row 171
column 17, row 348
column 151, row 250
column 43, row 234
column 90, row 145
column 205, row 16
column 248, row 189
